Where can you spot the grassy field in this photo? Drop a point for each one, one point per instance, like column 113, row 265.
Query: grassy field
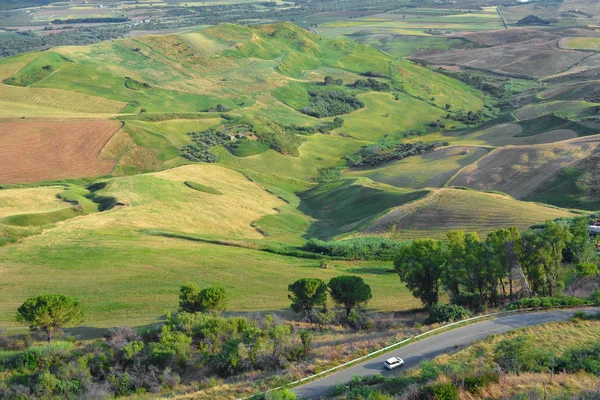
column 128, row 278
column 429, row 170
column 583, row 43
column 449, row 209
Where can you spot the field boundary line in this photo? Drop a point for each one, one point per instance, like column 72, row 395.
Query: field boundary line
column 502, row 16
column 405, row 341
column 449, row 181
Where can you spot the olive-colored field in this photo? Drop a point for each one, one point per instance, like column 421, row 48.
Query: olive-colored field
column 448, row 209
column 44, row 150
column 519, row 171
column 581, row 43
column 429, row 170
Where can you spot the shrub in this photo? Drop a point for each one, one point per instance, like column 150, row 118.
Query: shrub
column 546, row 302
column 440, row 391
column 474, row 384
column 439, row 313
column 359, row 321
column 595, row 298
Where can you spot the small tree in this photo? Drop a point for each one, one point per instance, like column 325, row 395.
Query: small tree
column 213, row 300
column 188, row 297
column 50, row 312
column 349, row 292
column 306, row 294
column 210, row 300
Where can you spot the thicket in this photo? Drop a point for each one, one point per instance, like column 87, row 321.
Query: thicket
column 357, row 248
column 469, row 117
column 89, row 20
column 439, row 313
column 372, row 84
column 330, row 103
column 150, row 360
column 389, row 150
column 475, row 81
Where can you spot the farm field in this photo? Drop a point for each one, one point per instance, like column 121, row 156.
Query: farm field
column 518, row 171
column 34, row 151
column 430, row 170
column 451, row 209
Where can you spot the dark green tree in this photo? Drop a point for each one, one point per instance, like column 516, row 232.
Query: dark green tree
column 213, row 300
column 504, row 244
column 420, row 266
column 50, row 312
column 188, row 297
column 307, row 293
column 210, row 300
column 349, row 292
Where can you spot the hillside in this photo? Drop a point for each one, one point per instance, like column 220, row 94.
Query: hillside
column 452, row 209
column 214, row 154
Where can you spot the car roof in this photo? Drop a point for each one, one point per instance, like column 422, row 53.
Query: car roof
column 391, row 360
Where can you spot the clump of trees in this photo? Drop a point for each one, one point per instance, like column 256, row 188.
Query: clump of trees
column 372, row 84
column 330, row 81
column 349, row 292
column 212, row 300
column 330, row 103
column 360, row 247
column 476, row 273
column 469, row 117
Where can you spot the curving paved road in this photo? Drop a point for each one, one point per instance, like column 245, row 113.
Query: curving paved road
column 414, row 353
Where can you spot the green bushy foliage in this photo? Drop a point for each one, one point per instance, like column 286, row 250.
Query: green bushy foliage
column 372, row 84
column 440, row 391
column 367, row 247
column 439, row 313
column 546, row 302
column 389, row 150
column 330, row 103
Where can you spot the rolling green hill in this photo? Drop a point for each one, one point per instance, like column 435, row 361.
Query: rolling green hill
column 231, row 154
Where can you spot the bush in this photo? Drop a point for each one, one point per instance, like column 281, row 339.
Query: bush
column 547, row 302
column 472, row 301
column 439, row 313
column 389, row 150
column 595, row 298
column 359, row 321
column 354, row 248
column 474, row 384
column 440, row 391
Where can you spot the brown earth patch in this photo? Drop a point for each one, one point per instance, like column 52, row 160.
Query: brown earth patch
column 44, row 150
column 519, row 171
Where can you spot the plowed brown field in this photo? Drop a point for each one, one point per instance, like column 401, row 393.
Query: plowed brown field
column 32, row 151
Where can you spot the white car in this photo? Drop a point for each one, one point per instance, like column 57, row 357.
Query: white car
column 393, row 362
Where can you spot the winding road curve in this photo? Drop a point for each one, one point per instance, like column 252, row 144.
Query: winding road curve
column 448, row 341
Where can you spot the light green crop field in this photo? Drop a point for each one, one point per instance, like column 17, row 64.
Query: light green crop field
column 583, row 43
column 429, row 170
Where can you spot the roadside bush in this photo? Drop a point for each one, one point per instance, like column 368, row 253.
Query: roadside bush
column 581, row 359
column 547, row 302
column 518, row 354
column 472, row 301
column 440, row 391
column 475, row 383
column 595, row 298
column 439, row 313
column 359, row 321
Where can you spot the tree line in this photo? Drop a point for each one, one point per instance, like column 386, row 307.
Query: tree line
column 507, row 264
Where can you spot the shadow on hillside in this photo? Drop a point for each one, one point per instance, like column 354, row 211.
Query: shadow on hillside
column 343, row 206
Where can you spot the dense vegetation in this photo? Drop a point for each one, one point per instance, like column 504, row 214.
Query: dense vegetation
column 330, row 103
column 478, row 273
column 389, row 150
